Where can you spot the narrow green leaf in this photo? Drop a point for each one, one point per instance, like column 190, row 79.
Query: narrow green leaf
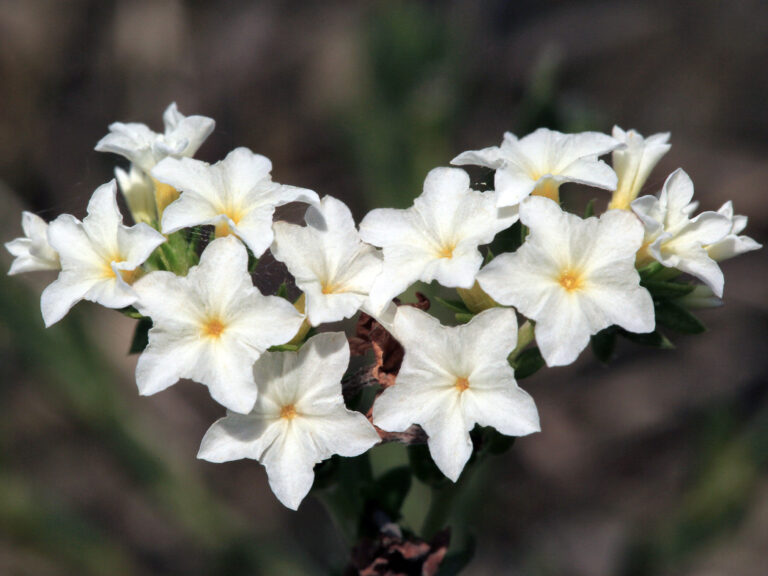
column 463, row 317
column 527, row 363
column 455, row 305
column 140, row 336
column 677, row 318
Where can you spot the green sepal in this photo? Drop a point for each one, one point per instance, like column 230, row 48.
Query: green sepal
column 662, row 290
column 131, row 312
column 677, row 318
column 464, row 317
column 654, row 339
column 455, row 305
column 284, row 348
column 650, row 270
column 590, row 209
column 527, row 363
column 282, row 291
column 603, row 344
column 140, row 336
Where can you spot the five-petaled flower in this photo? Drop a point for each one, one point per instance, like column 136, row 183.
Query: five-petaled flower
column 573, row 277
column 453, row 378
column 330, row 263
column 100, row 257
column 237, row 195
column 437, row 238
column 543, row 160
column 298, row 420
column 210, row 326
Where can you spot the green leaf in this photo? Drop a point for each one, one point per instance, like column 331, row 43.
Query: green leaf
column 662, row 290
column 463, row 317
column 603, row 344
column 590, row 209
column 677, row 318
column 654, row 339
column 527, row 363
column 455, row 305
column 140, row 336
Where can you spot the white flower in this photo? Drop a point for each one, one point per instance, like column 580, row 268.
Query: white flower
column 99, row 256
column 33, row 252
column 573, row 277
column 210, row 326
column 139, row 193
column 145, row 148
column 452, row 379
column 543, row 160
column 634, row 162
column 676, row 240
column 733, row 244
column 330, row 263
column 299, row 418
column 437, row 238
column 236, row 194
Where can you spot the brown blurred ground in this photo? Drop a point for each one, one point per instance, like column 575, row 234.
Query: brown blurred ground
column 655, row 464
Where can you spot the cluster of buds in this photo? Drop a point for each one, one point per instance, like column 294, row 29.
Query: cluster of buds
column 566, row 281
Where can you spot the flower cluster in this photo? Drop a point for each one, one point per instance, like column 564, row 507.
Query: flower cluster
column 186, row 267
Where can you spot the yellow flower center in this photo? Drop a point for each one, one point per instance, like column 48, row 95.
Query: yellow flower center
column 129, row 276
column 547, row 187
column 461, row 384
column 446, row 251
column 213, row 328
column 288, row 412
column 571, row 280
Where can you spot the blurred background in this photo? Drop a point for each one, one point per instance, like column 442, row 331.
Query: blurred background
column 655, row 464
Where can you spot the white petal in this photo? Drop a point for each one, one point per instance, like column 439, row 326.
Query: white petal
column 489, row 157
column 507, row 408
column 289, row 462
column 449, row 443
column 59, row 297
column 235, row 437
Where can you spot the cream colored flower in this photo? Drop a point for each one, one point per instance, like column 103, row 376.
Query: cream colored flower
column 299, row 418
column 573, row 277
